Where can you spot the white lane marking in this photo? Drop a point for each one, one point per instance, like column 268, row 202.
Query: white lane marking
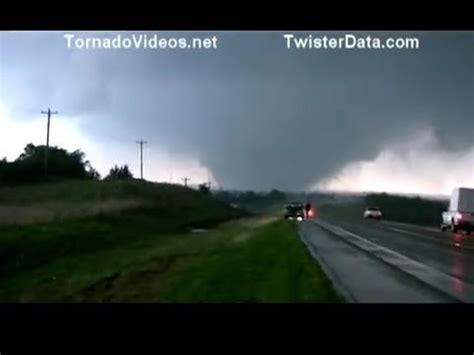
column 413, row 233
column 437, row 240
column 445, row 283
column 434, row 239
column 408, row 225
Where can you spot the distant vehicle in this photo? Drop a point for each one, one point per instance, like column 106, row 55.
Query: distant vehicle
column 294, row 211
column 460, row 214
column 373, row 213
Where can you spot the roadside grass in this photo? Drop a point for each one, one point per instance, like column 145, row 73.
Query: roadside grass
column 265, row 207
column 90, row 191
column 42, row 203
column 23, row 247
column 271, row 265
column 44, row 212
column 147, row 251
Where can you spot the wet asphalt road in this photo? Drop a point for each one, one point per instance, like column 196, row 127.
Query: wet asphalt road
column 450, row 253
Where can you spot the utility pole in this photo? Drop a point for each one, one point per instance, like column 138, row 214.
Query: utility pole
column 49, row 113
column 186, row 181
column 141, row 142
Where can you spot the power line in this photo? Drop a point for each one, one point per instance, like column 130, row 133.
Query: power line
column 49, row 113
column 141, row 142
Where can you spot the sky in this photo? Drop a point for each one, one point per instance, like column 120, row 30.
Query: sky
column 251, row 114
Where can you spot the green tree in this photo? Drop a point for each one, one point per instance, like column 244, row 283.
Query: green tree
column 120, row 173
column 204, row 188
column 29, row 166
column 93, row 174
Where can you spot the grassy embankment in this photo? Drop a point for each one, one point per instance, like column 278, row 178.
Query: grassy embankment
column 414, row 210
column 132, row 242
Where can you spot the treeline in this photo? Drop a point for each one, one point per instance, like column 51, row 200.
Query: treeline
column 250, row 196
column 414, row 210
column 29, row 167
column 251, row 200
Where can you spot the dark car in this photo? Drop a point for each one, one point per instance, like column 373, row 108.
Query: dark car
column 294, row 210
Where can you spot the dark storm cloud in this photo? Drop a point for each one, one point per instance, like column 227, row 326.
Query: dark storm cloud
column 259, row 115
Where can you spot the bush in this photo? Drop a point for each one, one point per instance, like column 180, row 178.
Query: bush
column 120, row 173
column 204, row 188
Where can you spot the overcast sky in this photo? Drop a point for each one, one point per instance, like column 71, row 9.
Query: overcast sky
column 252, row 114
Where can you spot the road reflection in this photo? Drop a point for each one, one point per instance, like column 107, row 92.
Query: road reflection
column 459, row 265
column 457, row 239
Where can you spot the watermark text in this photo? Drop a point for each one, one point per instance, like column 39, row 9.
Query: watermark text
column 139, row 41
column 349, row 41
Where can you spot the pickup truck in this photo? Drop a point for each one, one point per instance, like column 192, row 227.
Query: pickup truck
column 294, row 210
column 460, row 214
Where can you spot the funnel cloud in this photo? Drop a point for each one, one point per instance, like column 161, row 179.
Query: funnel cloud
column 251, row 112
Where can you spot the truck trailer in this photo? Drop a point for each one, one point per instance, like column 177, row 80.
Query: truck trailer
column 460, row 214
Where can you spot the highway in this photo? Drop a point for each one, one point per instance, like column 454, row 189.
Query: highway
column 442, row 261
column 451, row 253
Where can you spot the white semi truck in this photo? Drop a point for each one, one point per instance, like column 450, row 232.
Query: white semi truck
column 460, row 215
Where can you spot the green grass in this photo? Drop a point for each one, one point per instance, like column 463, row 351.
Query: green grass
column 23, row 247
column 264, row 207
column 44, row 203
column 148, row 253
column 90, row 191
column 269, row 265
